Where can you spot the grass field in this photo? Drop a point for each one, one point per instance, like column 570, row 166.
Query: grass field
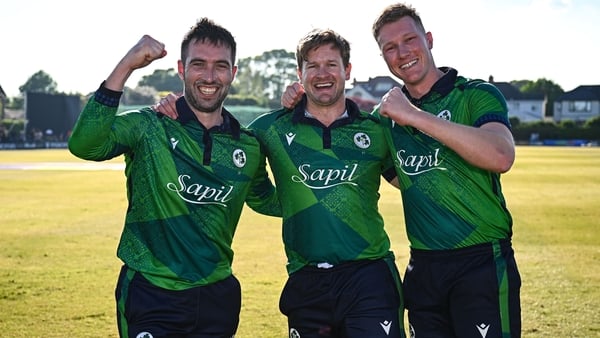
column 59, row 230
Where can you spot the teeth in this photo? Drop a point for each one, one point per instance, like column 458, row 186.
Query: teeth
column 323, row 85
column 408, row 64
column 207, row 90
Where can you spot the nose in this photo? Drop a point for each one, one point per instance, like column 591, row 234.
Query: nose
column 401, row 51
column 209, row 74
column 322, row 70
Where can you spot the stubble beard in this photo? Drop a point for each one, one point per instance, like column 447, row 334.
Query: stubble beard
column 205, row 106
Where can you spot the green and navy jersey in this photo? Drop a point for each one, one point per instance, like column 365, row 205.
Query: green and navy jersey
column 449, row 203
column 327, row 180
column 186, row 187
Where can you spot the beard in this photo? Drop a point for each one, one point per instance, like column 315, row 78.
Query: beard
column 324, row 99
column 202, row 105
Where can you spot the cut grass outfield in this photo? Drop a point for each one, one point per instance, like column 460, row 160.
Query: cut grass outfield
column 59, row 230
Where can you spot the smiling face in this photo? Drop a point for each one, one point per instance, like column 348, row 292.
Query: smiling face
column 207, row 73
column 406, row 50
column 323, row 76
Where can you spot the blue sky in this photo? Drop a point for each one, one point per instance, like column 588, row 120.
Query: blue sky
column 78, row 43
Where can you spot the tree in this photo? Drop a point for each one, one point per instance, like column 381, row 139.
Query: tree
column 163, row 80
column 16, row 103
column 593, row 123
column 141, row 95
column 248, row 81
column 39, row 82
column 266, row 75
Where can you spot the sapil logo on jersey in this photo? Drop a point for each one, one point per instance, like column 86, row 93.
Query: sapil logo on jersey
column 418, row 164
column 414, row 164
column 323, row 178
column 196, row 193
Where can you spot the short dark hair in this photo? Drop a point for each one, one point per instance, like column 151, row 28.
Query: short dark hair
column 319, row 37
column 206, row 29
column 393, row 13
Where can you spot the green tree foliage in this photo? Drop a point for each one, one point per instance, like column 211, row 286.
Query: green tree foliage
column 266, row 75
column 39, row 82
column 565, row 130
column 593, row 123
column 141, row 95
column 15, row 103
column 248, row 81
column 163, row 80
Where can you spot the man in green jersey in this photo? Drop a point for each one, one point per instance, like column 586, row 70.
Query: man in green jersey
column 451, row 141
column 327, row 158
column 187, row 182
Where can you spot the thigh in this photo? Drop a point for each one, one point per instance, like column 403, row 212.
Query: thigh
column 486, row 299
column 464, row 293
column 219, row 307
column 199, row 312
column 306, row 302
column 370, row 302
column 150, row 311
column 425, row 298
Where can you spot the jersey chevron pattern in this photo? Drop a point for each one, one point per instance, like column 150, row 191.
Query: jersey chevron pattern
column 447, row 202
column 328, row 180
column 186, row 187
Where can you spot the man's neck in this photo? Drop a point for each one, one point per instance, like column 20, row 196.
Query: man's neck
column 210, row 120
column 418, row 90
column 326, row 114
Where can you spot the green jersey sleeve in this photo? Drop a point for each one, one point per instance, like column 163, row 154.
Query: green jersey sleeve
column 186, row 187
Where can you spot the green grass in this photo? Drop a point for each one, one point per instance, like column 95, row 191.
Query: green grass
column 59, row 231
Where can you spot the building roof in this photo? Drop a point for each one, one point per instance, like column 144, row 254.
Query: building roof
column 377, row 86
column 586, row 93
column 511, row 92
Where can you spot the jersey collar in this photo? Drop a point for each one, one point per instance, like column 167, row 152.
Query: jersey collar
column 442, row 87
column 300, row 116
column 230, row 124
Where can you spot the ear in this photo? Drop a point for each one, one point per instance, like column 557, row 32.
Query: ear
column 234, row 70
column 429, row 38
column 180, row 69
column 348, row 71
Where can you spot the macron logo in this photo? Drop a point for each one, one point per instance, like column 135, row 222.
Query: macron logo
column 386, row 326
column 290, row 137
column 483, row 329
column 174, row 142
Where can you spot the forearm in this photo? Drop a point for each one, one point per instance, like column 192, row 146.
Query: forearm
column 262, row 196
column 90, row 138
column 490, row 147
column 118, row 77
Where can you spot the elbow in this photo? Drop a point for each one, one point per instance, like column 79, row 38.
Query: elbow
column 504, row 155
column 79, row 150
column 505, row 160
column 72, row 146
column 504, row 166
column 76, row 149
